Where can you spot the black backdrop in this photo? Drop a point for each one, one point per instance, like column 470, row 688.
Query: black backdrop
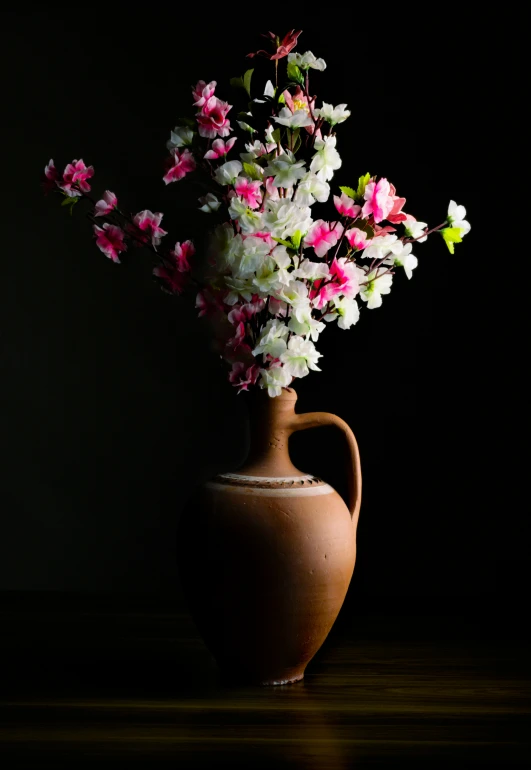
column 112, row 405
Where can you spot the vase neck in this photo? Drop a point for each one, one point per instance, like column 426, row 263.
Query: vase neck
column 271, row 421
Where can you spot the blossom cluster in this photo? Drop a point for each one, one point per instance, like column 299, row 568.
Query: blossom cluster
column 279, row 273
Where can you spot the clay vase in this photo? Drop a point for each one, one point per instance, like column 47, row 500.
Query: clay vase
column 266, row 554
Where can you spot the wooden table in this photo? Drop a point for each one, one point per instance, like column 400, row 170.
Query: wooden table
column 127, row 680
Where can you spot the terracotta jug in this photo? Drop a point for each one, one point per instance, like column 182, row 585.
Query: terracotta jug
column 267, row 553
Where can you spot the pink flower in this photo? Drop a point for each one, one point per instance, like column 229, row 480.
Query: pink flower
column 179, row 164
column 208, row 303
column 203, row 91
column 75, row 175
column 322, row 236
column 344, row 282
column 110, row 240
column 378, row 200
column 288, row 44
column 356, row 238
column 106, row 204
column 173, row 281
column 51, row 177
column 242, row 375
column 346, row 206
column 148, row 223
column 237, row 342
column 219, row 149
column 242, row 313
column 212, row 119
column 299, row 102
column 249, row 191
column 266, row 237
column 396, row 214
column 383, row 230
column 180, row 255
column 272, row 191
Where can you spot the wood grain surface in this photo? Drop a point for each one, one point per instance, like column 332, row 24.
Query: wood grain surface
column 127, row 681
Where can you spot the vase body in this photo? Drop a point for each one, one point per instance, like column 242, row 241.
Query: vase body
column 266, row 554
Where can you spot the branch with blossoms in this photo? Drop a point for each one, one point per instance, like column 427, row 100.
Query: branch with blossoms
column 277, row 275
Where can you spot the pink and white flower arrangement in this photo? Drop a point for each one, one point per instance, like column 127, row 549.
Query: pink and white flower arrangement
column 276, row 273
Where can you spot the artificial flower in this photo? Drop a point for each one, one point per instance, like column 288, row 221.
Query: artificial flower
column 106, row 204
column 180, row 137
column 307, row 61
column 456, row 218
column 179, row 164
column 212, row 118
column 346, row 206
column 219, row 148
column 378, row 200
column 209, row 203
column 333, row 115
column 110, row 240
column 322, row 236
column 326, row 159
column 300, row 357
column 373, row 286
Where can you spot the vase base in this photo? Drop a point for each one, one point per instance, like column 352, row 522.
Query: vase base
column 291, row 680
column 240, row 678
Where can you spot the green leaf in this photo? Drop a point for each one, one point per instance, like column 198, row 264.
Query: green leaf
column 295, row 74
column 298, row 142
column 348, row 191
column 296, row 239
column 251, row 171
column 70, row 202
column 451, row 235
column 363, row 181
column 276, row 135
column 284, row 243
column 362, row 225
column 237, row 82
column 246, row 81
column 281, row 99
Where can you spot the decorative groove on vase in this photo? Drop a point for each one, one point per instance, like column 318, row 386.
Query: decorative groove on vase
column 269, row 482
column 271, row 491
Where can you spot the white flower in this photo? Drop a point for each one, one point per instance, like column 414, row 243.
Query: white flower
column 283, row 218
column 297, row 119
column 456, row 218
column 227, row 173
column 268, row 279
column 209, row 203
column 332, row 114
column 326, row 160
column 254, row 251
column 346, row 311
column 179, row 137
column 246, row 127
column 269, row 90
column 311, row 189
column 274, row 379
column 269, row 135
column 295, row 294
column 310, row 271
column 220, row 245
column 381, row 246
column 415, row 229
column 250, row 220
column 300, row 357
column 255, row 150
column 374, row 287
column 272, row 340
column 239, row 288
column 303, row 323
column 286, row 170
column 281, row 256
column 306, row 61
column 402, row 256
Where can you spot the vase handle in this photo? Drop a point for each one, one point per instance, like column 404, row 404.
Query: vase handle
column 319, row 419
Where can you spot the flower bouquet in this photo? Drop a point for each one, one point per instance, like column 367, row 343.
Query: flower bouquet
column 275, row 271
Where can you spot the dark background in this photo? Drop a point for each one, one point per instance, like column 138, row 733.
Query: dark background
column 112, row 405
